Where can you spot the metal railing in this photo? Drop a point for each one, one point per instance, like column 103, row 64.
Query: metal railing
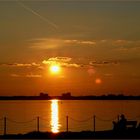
column 92, row 121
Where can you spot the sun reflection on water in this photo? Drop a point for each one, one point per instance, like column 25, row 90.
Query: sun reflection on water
column 54, row 116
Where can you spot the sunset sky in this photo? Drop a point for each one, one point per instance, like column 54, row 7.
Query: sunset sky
column 95, row 43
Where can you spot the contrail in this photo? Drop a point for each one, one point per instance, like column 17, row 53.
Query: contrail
column 35, row 13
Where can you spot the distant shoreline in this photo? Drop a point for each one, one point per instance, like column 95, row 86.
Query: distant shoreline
column 103, row 97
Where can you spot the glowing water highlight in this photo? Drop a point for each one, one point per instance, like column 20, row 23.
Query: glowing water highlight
column 54, row 116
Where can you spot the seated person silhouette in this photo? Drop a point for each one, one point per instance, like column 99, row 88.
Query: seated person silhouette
column 121, row 124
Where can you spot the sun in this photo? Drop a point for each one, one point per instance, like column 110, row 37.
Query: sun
column 55, row 69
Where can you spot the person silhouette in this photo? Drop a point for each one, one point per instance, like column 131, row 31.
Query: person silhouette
column 122, row 122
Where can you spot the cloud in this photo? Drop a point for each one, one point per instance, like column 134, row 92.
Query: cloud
column 103, row 63
column 51, row 43
column 122, row 42
column 57, row 43
column 33, row 76
column 73, row 65
column 20, row 64
column 26, row 76
column 81, row 42
column 66, row 62
column 14, row 75
column 62, row 61
column 126, row 49
column 126, row 45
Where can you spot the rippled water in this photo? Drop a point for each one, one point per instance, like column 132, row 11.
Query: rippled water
column 22, row 115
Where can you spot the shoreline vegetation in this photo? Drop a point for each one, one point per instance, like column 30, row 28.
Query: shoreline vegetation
column 68, row 96
column 108, row 134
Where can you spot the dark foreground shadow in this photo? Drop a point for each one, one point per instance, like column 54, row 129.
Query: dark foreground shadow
column 110, row 134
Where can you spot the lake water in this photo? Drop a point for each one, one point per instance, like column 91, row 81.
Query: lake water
column 22, row 115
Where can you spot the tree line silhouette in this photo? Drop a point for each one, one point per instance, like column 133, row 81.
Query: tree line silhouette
column 68, row 96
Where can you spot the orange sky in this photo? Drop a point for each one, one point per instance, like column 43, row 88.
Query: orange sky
column 95, row 43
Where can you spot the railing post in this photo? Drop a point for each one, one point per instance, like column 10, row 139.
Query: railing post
column 94, row 123
column 67, row 124
column 5, row 125
column 37, row 124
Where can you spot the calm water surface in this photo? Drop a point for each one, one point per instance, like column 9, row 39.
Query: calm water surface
column 22, row 115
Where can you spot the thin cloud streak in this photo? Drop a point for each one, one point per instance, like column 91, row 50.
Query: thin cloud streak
column 26, row 76
column 51, row 43
column 54, row 43
column 103, row 63
column 21, row 64
column 38, row 15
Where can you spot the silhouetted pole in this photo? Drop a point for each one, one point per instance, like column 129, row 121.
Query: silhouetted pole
column 37, row 124
column 4, row 125
column 67, row 123
column 94, row 123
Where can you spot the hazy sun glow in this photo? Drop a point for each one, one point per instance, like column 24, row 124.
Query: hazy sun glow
column 54, row 116
column 98, row 81
column 55, row 68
